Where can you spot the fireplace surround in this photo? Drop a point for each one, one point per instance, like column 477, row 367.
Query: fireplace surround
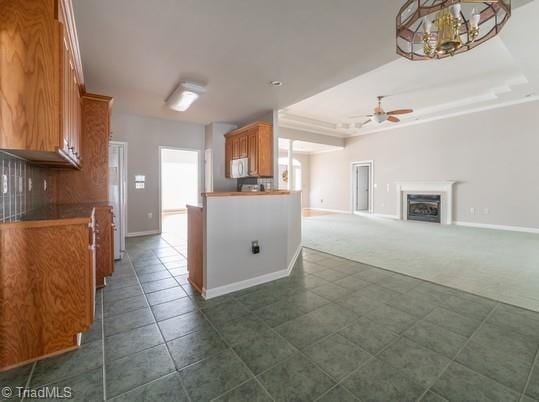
column 441, row 189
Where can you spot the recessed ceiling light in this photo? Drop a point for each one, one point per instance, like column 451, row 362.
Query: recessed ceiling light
column 276, row 83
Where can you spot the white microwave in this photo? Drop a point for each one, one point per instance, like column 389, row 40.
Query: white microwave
column 239, row 168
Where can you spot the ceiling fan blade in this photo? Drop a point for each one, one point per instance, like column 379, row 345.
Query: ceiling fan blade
column 365, row 122
column 393, row 119
column 357, row 116
column 401, row 111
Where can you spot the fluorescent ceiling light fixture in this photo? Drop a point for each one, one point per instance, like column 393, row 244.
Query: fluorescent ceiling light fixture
column 184, row 95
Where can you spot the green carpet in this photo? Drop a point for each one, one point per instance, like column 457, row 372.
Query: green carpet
column 501, row 265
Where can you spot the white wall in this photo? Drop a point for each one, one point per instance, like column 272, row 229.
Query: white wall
column 144, row 135
column 492, row 154
column 215, row 140
column 231, row 223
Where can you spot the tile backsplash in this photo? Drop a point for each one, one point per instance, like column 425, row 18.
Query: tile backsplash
column 22, row 187
column 254, row 180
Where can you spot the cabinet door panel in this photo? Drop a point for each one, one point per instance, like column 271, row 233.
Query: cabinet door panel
column 235, row 148
column 252, row 143
column 228, row 156
column 243, row 145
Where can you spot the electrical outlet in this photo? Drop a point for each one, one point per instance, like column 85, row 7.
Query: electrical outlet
column 472, row 210
column 4, row 184
column 150, row 215
column 255, row 247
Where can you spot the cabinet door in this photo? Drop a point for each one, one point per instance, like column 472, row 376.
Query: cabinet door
column 265, row 151
column 66, row 143
column 243, row 146
column 228, row 156
column 235, row 147
column 252, row 145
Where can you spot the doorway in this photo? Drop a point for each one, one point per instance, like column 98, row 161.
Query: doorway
column 179, row 186
column 362, row 187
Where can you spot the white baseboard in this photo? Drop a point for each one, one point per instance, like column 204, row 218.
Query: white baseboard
column 294, row 258
column 258, row 280
column 145, row 233
column 497, row 227
column 337, row 211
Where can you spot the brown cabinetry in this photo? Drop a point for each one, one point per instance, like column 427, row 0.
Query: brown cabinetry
column 40, row 116
column 104, row 243
column 195, row 246
column 255, row 142
column 47, row 292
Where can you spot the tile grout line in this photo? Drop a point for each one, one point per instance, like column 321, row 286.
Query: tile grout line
column 29, row 379
column 453, row 360
column 103, row 346
column 254, row 377
column 535, row 365
column 164, row 342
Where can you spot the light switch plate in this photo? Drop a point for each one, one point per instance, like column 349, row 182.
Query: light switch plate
column 4, row 184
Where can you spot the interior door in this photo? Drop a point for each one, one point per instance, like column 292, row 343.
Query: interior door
column 362, row 188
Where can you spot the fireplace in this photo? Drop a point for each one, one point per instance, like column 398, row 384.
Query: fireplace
column 424, row 207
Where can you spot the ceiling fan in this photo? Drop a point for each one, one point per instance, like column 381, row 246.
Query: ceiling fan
column 379, row 116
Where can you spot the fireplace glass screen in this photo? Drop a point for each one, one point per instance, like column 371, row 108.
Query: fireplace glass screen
column 424, row 207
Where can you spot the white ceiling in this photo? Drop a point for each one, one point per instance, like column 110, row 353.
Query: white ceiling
column 138, row 50
column 501, row 71
column 304, row 147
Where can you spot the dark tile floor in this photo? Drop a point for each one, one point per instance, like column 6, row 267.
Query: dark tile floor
column 335, row 330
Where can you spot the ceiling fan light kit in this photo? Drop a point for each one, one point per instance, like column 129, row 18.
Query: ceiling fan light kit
column 435, row 29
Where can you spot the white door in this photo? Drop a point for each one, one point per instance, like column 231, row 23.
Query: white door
column 362, row 188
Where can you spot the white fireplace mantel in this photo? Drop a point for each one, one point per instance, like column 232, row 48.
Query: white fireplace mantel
column 444, row 188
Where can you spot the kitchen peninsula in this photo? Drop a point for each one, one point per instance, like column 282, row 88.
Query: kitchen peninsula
column 224, row 234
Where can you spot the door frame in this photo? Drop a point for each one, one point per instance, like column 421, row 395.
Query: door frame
column 370, row 165
column 200, row 182
column 124, row 191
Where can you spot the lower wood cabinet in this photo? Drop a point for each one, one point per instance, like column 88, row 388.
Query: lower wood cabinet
column 195, row 244
column 47, row 292
column 104, row 235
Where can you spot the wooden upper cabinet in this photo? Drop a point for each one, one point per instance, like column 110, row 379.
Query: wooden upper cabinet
column 255, row 142
column 228, row 155
column 41, row 82
column 252, row 152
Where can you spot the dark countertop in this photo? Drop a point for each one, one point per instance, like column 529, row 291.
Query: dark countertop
column 60, row 212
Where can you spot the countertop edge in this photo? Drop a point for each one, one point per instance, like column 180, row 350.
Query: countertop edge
column 247, row 193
